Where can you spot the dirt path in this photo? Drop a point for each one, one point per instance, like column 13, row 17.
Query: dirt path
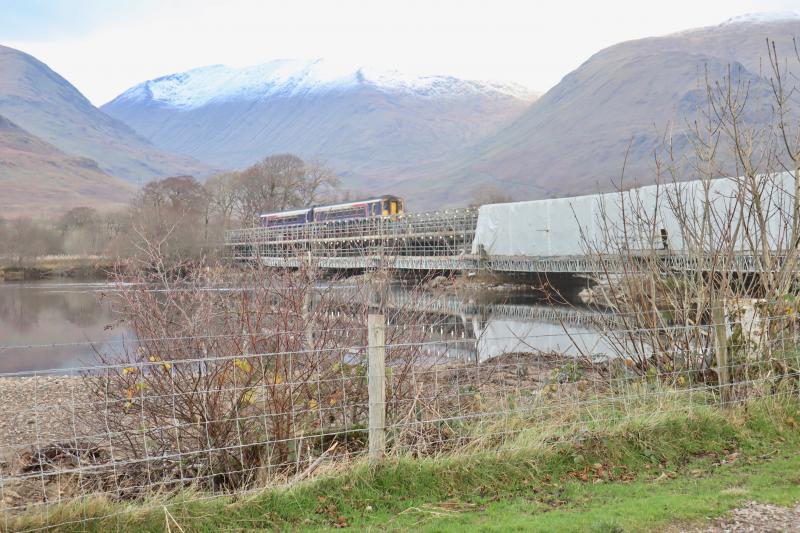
column 755, row 517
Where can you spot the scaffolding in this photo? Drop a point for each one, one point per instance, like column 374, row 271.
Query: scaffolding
column 438, row 240
column 432, row 241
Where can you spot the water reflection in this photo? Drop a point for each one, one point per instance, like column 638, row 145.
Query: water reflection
column 63, row 322
column 480, row 326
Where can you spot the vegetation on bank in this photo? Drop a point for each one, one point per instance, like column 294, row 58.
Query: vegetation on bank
column 59, row 266
column 185, row 217
column 628, row 466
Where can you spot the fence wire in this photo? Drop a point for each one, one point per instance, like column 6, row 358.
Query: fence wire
column 233, row 423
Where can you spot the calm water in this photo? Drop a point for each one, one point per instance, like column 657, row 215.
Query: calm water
column 480, row 327
column 54, row 325
column 60, row 325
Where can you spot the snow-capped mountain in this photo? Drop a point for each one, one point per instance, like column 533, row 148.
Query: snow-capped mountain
column 436, row 139
column 287, row 78
column 370, row 125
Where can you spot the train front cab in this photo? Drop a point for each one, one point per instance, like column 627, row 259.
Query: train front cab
column 392, row 205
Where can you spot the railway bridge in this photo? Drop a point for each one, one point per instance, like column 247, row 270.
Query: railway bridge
column 433, row 241
column 542, row 236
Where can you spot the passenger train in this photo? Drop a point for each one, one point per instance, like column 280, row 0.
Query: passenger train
column 383, row 206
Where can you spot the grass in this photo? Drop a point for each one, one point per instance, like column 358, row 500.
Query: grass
column 645, row 504
column 643, row 471
column 55, row 266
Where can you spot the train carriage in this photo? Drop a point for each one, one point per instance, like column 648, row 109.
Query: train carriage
column 287, row 218
column 382, row 206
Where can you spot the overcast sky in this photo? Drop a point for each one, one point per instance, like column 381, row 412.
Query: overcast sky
column 105, row 46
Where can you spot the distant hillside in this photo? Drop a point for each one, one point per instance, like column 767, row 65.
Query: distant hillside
column 437, row 140
column 47, row 106
column 573, row 139
column 37, row 179
column 374, row 127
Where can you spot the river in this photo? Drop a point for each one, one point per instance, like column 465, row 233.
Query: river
column 60, row 325
column 48, row 325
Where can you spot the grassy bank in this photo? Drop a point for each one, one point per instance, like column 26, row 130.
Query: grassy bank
column 57, row 266
column 643, row 470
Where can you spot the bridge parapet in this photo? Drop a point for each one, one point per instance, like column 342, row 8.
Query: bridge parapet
column 438, row 234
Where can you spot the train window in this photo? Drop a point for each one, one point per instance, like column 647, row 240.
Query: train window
column 345, row 213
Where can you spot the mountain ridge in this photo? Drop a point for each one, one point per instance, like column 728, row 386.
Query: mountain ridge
column 284, row 77
column 372, row 128
column 435, row 139
column 37, row 177
column 47, row 106
column 620, row 103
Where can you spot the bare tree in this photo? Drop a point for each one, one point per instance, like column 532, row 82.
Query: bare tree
column 173, row 211
column 237, row 374
column 78, row 217
column 26, row 239
column 280, row 182
column 320, row 183
column 702, row 268
column 489, row 194
column 222, row 197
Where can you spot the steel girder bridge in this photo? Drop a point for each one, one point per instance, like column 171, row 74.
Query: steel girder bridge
column 432, row 241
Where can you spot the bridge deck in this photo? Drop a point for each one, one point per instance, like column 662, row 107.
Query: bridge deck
column 435, row 241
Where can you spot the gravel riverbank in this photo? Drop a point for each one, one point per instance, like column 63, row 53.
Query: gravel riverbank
column 40, row 410
column 36, row 412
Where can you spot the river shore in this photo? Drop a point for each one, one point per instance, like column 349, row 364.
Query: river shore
column 39, row 410
column 58, row 266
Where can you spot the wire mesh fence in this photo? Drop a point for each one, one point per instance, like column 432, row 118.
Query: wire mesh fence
column 231, row 423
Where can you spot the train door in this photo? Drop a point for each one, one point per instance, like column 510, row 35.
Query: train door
column 393, row 207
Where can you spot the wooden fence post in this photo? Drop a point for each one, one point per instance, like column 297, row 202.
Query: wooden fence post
column 721, row 335
column 376, row 351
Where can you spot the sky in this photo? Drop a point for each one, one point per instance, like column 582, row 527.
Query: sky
column 104, row 47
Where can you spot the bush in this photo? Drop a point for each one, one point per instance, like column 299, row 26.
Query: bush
column 237, row 376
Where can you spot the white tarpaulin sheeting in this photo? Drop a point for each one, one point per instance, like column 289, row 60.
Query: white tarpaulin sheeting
column 564, row 226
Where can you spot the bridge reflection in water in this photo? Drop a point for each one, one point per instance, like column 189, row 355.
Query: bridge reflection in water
column 492, row 324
